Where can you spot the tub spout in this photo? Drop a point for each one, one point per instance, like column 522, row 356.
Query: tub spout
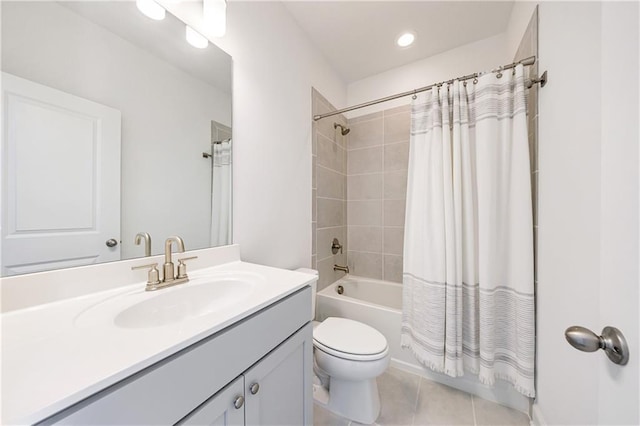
column 344, row 269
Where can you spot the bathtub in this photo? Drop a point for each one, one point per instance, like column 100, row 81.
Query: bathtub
column 379, row 304
column 373, row 302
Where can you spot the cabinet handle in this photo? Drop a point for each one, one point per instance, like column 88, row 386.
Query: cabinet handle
column 238, row 402
column 254, row 388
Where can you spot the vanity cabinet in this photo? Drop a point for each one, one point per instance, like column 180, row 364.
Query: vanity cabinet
column 272, row 349
column 273, row 395
column 268, row 393
column 226, row 408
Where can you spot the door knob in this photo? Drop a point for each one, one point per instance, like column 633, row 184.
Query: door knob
column 111, row 242
column 611, row 340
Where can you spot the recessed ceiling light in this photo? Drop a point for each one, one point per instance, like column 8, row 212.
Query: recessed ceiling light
column 196, row 39
column 151, row 9
column 406, row 39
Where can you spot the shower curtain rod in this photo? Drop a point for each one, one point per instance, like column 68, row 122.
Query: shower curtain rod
column 527, row 61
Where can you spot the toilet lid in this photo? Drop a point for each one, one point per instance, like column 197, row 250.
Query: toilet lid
column 349, row 337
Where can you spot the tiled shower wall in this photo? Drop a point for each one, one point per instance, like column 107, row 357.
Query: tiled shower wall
column 329, row 192
column 359, row 188
column 377, row 159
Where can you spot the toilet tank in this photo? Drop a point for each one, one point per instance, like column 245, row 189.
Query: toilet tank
column 314, row 288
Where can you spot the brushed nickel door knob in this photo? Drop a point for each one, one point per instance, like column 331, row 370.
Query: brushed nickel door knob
column 611, row 340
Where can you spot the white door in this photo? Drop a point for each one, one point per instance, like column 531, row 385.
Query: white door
column 60, row 179
column 619, row 386
column 588, row 268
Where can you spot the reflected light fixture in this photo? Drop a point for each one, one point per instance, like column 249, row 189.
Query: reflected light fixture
column 214, row 14
column 196, row 39
column 406, row 39
column 151, row 9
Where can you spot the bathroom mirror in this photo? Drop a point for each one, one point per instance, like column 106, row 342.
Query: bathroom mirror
column 112, row 125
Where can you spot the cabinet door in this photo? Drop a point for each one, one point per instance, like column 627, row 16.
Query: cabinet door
column 278, row 388
column 225, row 408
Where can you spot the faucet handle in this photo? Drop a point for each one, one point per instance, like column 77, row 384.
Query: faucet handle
column 182, row 267
column 153, row 276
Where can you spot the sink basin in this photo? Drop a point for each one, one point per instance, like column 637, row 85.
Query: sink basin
column 200, row 296
column 194, row 301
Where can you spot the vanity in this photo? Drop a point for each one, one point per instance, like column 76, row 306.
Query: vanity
column 121, row 115
column 233, row 346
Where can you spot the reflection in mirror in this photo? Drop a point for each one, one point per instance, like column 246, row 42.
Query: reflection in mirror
column 106, row 117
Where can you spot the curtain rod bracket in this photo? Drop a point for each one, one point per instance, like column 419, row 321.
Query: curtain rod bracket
column 542, row 80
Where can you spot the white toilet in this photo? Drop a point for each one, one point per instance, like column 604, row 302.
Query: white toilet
column 348, row 356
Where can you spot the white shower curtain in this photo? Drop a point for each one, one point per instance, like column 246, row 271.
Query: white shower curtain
column 468, row 295
column 221, row 194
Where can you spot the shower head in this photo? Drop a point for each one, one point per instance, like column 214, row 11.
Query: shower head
column 343, row 130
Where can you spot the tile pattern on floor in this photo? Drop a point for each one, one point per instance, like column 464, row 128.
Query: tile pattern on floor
column 407, row 399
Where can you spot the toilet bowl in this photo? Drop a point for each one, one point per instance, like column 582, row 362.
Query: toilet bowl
column 348, row 357
column 352, row 355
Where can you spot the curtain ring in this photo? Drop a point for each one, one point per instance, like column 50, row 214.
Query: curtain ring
column 475, row 80
column 499, row 74
column 414, row 97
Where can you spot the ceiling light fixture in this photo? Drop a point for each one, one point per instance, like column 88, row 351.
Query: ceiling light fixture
column 406, row 39
column 151, row 9
column 196, row 39
column 214, row 14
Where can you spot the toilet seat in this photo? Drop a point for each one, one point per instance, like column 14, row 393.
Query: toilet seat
column 349, row 339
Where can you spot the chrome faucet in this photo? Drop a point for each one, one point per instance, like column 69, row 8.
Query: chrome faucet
column 344, row 269
column 170, row 277
column 147, row 242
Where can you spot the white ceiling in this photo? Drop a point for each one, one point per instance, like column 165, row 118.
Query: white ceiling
column 358, row 37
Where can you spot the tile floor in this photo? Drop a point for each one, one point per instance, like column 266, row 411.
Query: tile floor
column 408, row 399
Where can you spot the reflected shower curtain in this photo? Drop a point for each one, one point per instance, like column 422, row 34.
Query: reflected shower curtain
column 221, row 202
column 468, row 296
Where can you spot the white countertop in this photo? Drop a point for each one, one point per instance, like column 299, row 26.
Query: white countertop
column 56, row 354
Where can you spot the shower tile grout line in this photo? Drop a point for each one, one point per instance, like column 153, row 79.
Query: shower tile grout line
column 378, row 226
column 359, row 148
column 330, row 198
column 378, row 199
column 377, row 173
column 322, row 166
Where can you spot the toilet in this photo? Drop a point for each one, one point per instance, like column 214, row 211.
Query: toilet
column 348, row 357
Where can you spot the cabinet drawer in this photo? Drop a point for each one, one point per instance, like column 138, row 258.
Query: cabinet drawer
column 165, row 392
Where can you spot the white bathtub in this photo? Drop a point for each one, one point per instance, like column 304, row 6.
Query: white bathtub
column 379, row 304
column 373, row 302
